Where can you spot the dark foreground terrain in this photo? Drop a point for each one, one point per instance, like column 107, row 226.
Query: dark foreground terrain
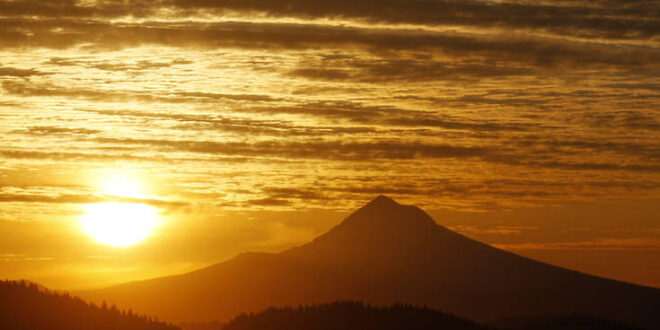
column 359, row 316
column 27, row 306
column 349, row 315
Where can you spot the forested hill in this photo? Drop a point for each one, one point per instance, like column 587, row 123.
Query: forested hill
column 27, row 306
column 359, row 316
column 350, row 316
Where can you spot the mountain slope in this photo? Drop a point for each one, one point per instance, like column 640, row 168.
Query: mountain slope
column 386, row 253
column 26, row 306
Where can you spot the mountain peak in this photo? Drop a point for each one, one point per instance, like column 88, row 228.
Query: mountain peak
column 382, row 200
column 386, row 218
column 379, row 232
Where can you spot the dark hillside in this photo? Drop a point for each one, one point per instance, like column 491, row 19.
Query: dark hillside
column 350, row 316
column 27, row 306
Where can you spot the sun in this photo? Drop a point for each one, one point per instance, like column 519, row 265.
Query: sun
column 122, row 221
column 119, row 224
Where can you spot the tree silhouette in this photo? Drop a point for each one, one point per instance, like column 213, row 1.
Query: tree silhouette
column 351, row 316
column 359, row 316
column 571, row 322
column 27, row 306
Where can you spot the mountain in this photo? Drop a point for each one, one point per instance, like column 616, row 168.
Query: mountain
column 26, row 306
column 350, row 316
column 386, row 253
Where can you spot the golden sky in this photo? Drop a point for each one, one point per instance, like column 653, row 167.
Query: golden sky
column 256, row 125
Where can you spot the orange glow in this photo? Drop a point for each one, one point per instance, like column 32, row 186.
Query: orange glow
column 119, row 184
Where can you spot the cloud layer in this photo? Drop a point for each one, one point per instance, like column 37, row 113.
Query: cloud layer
column 515, row 88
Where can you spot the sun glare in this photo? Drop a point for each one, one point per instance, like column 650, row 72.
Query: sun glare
column 122, row 221
column 121, row 186
column 119, row 224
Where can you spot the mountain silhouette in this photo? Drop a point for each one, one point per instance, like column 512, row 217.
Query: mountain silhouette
column 27, row 306
column 387, row 253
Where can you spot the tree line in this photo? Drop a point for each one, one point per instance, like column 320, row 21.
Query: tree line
column 28, row 306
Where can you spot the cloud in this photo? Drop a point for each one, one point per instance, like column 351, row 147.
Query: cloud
column 64, row 155
column 54, row 130
column 637, row 120
column 19, row 73
column 384, row 150
column 497, row 230
column 543, row 98
column 543, row 52
column 74, row 8
column 270, row 202
column 285, row 197
column 335, row 150
column 238, row 125
column 621, row 20
column 297, row 193
column 24, row 198
column 30, row 89
column 384, row 116
column 398, row 70
column 643, row 244
column 613, row 19
column 334, row 110
column 572, row 146
column 141, row 65
column 83, row 199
